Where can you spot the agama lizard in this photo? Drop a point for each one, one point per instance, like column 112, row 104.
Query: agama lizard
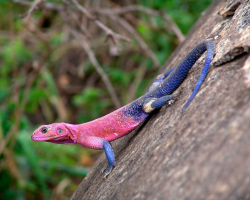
column 98, row 134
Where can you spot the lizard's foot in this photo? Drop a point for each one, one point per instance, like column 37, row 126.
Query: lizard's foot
column 107, row 173
column 107, row 170
column 104, row 169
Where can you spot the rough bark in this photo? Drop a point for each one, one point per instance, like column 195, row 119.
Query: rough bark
column 203, row 152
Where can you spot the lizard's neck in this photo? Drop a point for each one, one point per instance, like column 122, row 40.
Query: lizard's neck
column 73, row 130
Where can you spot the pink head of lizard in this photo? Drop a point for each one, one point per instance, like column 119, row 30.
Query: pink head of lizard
column 59, row 133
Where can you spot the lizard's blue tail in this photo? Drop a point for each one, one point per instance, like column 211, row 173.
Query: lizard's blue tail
column 176, row 77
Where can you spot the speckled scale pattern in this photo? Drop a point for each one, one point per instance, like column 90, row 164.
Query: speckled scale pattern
column 176, row 77
column 115, row 124
column 90, row 142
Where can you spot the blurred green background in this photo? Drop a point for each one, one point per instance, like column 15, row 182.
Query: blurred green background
column 46, row 76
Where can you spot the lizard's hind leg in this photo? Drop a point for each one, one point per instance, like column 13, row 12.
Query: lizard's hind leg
column 159, row 79
column 110, row 157
column 154, row 103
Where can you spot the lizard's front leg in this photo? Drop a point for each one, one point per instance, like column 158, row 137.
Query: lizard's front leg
column 155, row 103
column 99, row 143
column 159, row 79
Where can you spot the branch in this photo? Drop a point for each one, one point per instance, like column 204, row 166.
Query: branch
column 76, row 20
column 98, row 68
column 148, row 11
column 83, row 10
column 132, row 31
column 42, row 5
column 32, row 77
column 121, row 11
column 31, row 10
column 108, row 31
column 135, row 84
column 94, row 61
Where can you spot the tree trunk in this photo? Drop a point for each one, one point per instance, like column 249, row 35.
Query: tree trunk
column 204, row 151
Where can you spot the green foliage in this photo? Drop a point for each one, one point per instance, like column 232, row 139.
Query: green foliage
column 34, row 98
column 66, row 87
column 33, row 160
column 117, row 75
column 90, row 104
column 183, row 12
column 14, row 53
column 56, row 39
column 50, row 83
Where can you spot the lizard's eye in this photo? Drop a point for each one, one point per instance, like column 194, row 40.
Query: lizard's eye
column 44, row 129
column 59, row 130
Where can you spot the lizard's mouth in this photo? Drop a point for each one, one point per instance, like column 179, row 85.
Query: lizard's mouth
column 62, row 141
column 47, row 138
column 53, row 139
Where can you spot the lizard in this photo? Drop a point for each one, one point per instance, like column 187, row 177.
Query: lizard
column 98, row 134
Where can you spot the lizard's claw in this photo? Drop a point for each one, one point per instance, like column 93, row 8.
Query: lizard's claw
column 107, row 173
column 107, row 170
column 103, row 169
